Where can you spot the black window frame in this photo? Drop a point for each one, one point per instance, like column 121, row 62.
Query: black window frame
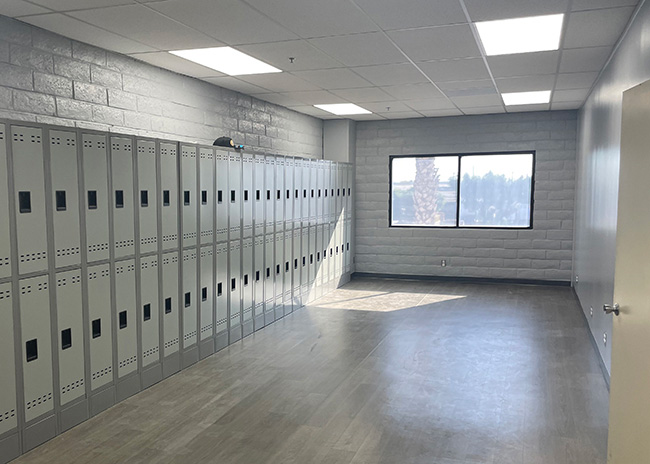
column 458, row 181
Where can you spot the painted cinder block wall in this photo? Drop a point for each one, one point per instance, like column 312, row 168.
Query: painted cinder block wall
column 543, row 253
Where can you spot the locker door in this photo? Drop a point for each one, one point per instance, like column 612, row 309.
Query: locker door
column 70, row 336
column 29, row 189
column 279, row 274
column 339, row 250
column 95, row 167
column 8, row 417
column 207, row 290
column 37, row 346
column 146, row 198
column 306, row 192
column 288, row 271
column 125, row 306
column 248, row 195
column 190, row 312
column 235, row 195
column 327, row 184
column 206, row 165
column 269, row 278
column 171, row 306
column 339, row 193
column 331, row 257
column 222, row 289
column 235, row 293
column 5, row 249
column 313, row 262
column 313, row 191
column 248, row 279
column 296, row 265
column 320, row 194
column 65, row 197
column 304, row 269
column 349, row 185
column 259, row 279
column 289, row 170
column 259, row 195
column 327, row 259
column 348, row 252
column 279, row 193
column 123, row 219
column 269, row 198
column 297, row 194
column 321, row 259
column 344, row 191
column 189, row 199
column 169, row 197
column 222, row 196
column 150, row 312
column 100, row 320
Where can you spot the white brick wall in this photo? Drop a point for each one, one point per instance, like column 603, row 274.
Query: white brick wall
column 543, row 253
column 48, row 78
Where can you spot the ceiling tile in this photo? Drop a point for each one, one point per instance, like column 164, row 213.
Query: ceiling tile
column 279, row 82
column 365, row 117
column 235, row 84
column 455, row 70
column 13, row 8
column 440, row 113
column 360, row 49
column 362, row 95
column 305, row 55
column 527, row 108
column 391, row 74
column 430, row 104
column 526, row 83
column 78, row 30
column 413, row 91
column 395, row 107
column 280, row 99
column 558, row 106
column 315, row 97
column 584, row 59
column 575, row 81
column 462, row 85
column 174, row 63
column 524, row 64
column 477, row 101
column 471, row 92
column 330, row 79
column 313, row 111
column 483, row 10
column 597, row 4
column 404, row 14
column 230, row 21
column 67, row 5
column 437, row 43
column 570, row 95
column 596, row 28
column 401, row 115
column 484, row 110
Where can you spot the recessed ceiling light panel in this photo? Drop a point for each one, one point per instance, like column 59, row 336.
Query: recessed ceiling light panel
column 521, row 35
column 526, row 98
column 226, row 60
column 342, row 109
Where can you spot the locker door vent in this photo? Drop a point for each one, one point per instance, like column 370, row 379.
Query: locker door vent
column 171, row 343
column 128, row 361
column 189, row 336
column 205, row 329
column 102, row 372
column 72, row 251
column 150, row 352
column 72, row 386
column 46, row 398
column 4, row 416
column 4, row 261
column 29, row 257
column 5, row 294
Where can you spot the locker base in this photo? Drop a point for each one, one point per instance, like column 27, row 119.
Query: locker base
column 190, row 356
column 269, row 317
column 206, row 348
column 39, row 433
column 247, row 328
column 9, row 448
column 235, row 334
column 279, row 311
column 73, row 415
column 221, row 341
column 151, row 375
column 171, row 364
column 127, row 387
column 259, row 322
column 102, row 400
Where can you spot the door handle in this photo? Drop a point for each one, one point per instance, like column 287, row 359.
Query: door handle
column 609, row 309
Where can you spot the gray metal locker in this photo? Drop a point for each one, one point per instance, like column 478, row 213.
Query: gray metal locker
column 306, row 192
column 297, row 193
column 69, row 313
column 325, row 266
column 248, row 195
column 327, row 190
column 65, row 197
column 207, row 291
column 269, row 279
column 146, row 198
column 222, row 195
column 8, row 415
column 170, row 302
column 279, row 214
column 348, row 246
column 296, row 266
column 304, row 266
column 288, row 272
column 36, row 347
column 259, row 196
column 269, row 196
column 95, row 167
column 313, row 191
column 123, row 214
column 189, row 300
column 338, row 169
column 150, row 310
column 5, row 247
column 349, row 191
column 259, row 278
column 248, row 285
column 234, row 290
column 125, row 307
column 29, row 190
column 289, row 192
column 101, row 322
column 320, row 194
column 189, row 200
column 279, row 275
column 169, row 194
column 338, row 251
column 314, row 262
column 206, row 208
column 221, row 295
column 234, row 195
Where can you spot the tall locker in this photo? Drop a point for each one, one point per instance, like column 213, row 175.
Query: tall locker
column 171, row 306
column 29, row 190
column 297, row 268
column 306, row 192
column 169, row 195
column 65, row 198
column 235, row 195
column 314, row 261
column 313, row 190
column 349, row 188
column 320, row 197
column 122, row 177
column 258, row 282
column 150, row 328
column 146, row 198
column 248, row 286
column 339, row 187
column 329, row 192
column 100, row 321
column 222, row 195
column 190, row 311
column 288, row 271
column 289, row 171
column 269, row 279
column 344, row 191
column 279, row 274
column 248, row 195
column 125, row 307
column 259, row 196
column 330, row 233
column 36, row 347
column 297, row 193
column 348, row 251
column 95, row 168
column 304, row 266
column 221, row 295
column 279, row 213
column 8, row 416
column 235, row 293
column 207, row 291
column 189, row 194
column 206, row 213
column 325, row 261
column 269, row 197
column 5, row 248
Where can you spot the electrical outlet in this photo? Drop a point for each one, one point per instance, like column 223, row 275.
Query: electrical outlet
column 443, row 262
column 577, row 278
column 605, row 338
column 591, row 311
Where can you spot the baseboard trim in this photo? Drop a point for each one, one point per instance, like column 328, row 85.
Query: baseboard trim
column 471, row 280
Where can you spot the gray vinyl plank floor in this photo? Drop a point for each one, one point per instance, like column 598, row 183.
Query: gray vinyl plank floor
column 379, row 371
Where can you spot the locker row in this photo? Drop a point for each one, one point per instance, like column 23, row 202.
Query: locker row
column 107, row 195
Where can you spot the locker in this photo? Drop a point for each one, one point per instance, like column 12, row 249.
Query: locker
column 259, row 281
column 348, row 246
column 259, row 195
column 189, row 194
column 70, row 341
column 296, row 266
column 125, row 311
column 313, row 262
column 269, row 278
column 100, row 325
column 36, row 346
column 222, row 195
column 169, row 194
column 288, row 271
column 325, row 275
column 189, row 299
column 331, row 259
column 235, row 293
column 339, row 250
column 207, row 291
column 279, row 193
column 248, row 195
column 313, row 191
column 279, row 274
column 65, row 197
column 289, row 171
column 327, row 184
column 29, row 190
column 349, row 189
column 95, row 168
column 338, row 190
column 122, row 175
column 320, row 194
column 306, row 192
column 206, row 212
column 248, row 280
column 297, row 193
column 269, row 199
column 5, row 249
column 170, row 302
column 234, row 195
column 304, row 266
column 222, row 288
column 150, row 313
column 8, row 417
column 146, row 198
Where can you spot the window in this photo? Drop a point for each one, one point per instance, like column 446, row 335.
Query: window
column 491, row 190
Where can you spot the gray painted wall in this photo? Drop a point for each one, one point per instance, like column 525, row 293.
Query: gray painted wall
column 51, row 79
column 542, row 253
column 597, row 186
